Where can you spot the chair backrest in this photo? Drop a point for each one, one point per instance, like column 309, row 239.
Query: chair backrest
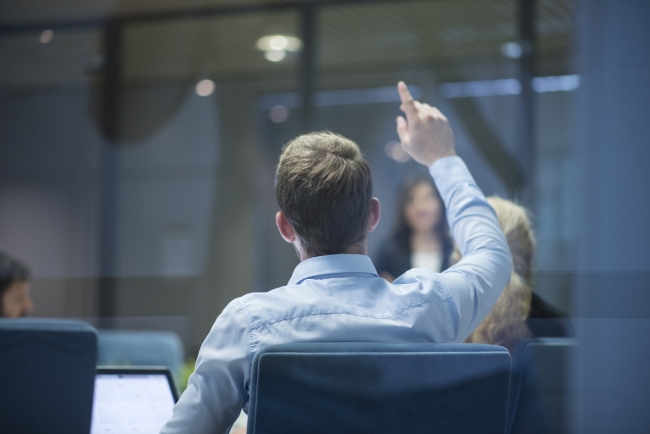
column 141, row 348
column 47, row 375
column 540, row 392
column 379, row 388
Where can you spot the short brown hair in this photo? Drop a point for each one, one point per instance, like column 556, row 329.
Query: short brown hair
column 324, row 187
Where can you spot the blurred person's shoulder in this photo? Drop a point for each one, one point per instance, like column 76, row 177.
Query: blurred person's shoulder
column 392, row 257
column 546, row 321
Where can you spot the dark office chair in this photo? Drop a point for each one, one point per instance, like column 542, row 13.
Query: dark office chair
column 140, row 348
column 540, row 389
column 47, row 375
column 379, row 388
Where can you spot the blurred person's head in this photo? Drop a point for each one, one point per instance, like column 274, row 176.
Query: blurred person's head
column 515, row 223
column 506, row 323
column 420, row 209
column 323, row 186
column 15, row 301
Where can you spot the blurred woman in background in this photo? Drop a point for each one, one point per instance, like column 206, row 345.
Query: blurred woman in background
column 421, row 236
column 518, row 313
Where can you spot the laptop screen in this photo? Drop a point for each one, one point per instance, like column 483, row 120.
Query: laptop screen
column 131, row 401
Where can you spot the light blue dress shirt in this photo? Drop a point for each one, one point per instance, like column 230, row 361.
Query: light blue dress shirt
column 341, row 298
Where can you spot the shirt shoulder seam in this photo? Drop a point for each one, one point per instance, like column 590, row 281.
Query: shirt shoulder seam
column 248, row 324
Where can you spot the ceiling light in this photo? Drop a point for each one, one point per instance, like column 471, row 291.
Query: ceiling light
column 511, row 50
column 46, row 36
column 561, row 83
column 279, row 42
column 204, row 87
column 395, row 151
column 506, row 86
column 275, row 55
column 278, row 114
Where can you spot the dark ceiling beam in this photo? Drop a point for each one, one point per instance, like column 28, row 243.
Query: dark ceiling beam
column 527, row 70
column 111, row 124
column 488, row 143
column 197, row 12
column 308, row 69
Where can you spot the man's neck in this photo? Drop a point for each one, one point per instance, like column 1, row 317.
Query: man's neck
column 360, row 248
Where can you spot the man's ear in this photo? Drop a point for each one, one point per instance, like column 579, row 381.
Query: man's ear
column 375, row 214
column 285, row 228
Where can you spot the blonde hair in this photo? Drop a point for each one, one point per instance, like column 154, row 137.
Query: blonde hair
column 515, row 223
column 506, row 323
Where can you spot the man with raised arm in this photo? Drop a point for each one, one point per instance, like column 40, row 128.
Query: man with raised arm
column 324, row 190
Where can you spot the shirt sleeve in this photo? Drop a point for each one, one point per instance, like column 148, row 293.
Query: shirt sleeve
column 476, row 282
column 216, row 391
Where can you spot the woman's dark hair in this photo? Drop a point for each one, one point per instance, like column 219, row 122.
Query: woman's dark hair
column 402, row 232
column 11, row 271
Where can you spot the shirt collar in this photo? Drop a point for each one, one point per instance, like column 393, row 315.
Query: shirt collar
column 320, row 266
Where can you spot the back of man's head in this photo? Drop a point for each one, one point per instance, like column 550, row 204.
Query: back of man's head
column 324, row 187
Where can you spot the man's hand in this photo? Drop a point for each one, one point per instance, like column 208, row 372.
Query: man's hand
column 425, row 133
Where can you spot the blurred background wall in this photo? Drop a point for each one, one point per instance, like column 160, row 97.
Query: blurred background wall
column 139, row 138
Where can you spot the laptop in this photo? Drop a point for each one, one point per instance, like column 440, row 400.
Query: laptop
column 132, row 400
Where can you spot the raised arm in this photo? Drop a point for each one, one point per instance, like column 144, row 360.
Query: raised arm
column 476, row 282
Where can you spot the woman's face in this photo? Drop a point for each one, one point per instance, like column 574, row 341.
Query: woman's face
column 423, row 208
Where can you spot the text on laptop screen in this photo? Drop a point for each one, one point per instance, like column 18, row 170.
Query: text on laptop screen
column 131, row 403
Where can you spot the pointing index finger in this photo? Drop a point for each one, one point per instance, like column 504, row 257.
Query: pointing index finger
column 408, row 104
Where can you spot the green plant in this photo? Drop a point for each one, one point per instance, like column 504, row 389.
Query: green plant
column 186, row 370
